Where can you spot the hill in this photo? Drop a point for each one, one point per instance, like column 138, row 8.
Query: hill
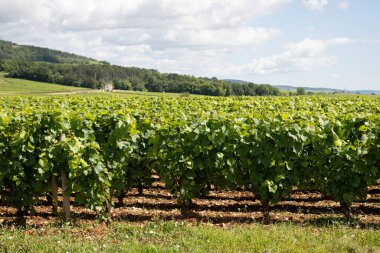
column 313, row 89
column 52, row 66
column 235, row 81
column 372, row 92
column 24, row 53
column 327, row 90
column 11, row 86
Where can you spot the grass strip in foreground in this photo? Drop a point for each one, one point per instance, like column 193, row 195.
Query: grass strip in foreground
column 183, row 237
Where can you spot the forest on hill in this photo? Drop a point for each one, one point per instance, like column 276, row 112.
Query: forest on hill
column 22, row 53
column 52, row 66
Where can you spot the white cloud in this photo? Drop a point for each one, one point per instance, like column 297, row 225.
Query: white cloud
column 105, row 14
column 343, row 5
column 304, row 55
column 226, row 37
column 220, row 38
column 315, row 5
column 147, row 33
column 198, row 37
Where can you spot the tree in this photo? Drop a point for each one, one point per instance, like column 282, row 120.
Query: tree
column 130, row 78
column 301, row 91
column 137, row 84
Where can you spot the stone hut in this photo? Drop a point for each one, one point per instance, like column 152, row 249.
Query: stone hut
column 108, row 87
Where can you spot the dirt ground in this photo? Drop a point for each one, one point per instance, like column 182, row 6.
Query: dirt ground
column 219, row 208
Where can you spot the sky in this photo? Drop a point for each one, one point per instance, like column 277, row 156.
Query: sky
column 314, row 43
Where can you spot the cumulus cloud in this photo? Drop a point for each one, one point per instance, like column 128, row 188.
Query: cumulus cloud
column 315, row 5
column 304, row 55
column 148, row 14
column 198, row 37
column 343, row 5
column 170, row 35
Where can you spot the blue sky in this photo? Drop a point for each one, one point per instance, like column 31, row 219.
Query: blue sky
column 356, row 64
column 317, row 43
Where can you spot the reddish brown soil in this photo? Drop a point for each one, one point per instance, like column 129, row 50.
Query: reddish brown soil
column 223, row 208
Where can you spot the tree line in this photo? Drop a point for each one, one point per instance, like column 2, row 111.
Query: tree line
column 129, row 78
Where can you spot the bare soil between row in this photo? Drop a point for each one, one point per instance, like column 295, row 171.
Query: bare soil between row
column 220, row 208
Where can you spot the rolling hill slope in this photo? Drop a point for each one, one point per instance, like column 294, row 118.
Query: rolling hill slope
column 52, row 66
column 11, row 86
column 24, row 53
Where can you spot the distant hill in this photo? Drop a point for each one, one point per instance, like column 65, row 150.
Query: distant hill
column 328, row 90
column 235, row 81
column 48, row 65
column 53, row 66
column 377, row 92
column 14, row 52
column 312, row 89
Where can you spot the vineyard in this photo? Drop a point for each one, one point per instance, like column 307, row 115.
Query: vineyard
column 99, row 149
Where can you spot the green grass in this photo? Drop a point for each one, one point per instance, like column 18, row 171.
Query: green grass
column 14, row 86
column 21, row 86
column 184, row 237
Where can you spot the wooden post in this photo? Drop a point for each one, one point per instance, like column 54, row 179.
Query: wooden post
column 266, row 213
column 54, row 193
column 66, row 197
column 346, row 209
column 65, row 194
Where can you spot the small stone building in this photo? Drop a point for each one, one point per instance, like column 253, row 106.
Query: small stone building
column 108, row 87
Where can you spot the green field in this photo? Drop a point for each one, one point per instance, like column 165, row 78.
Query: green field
column 20, row 86
column 182, row 237
column 14, row 86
